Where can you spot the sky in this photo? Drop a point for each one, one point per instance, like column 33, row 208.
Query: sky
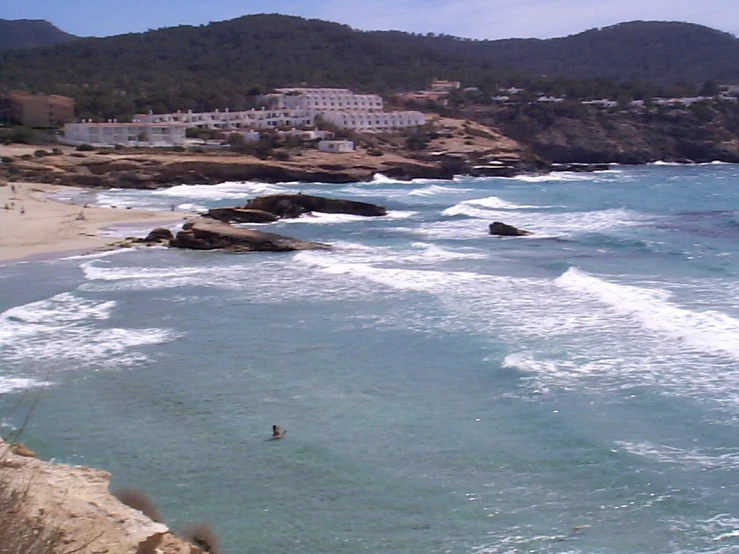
column 478, row 19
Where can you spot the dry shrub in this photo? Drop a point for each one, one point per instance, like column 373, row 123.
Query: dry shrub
column 139, row 500
column 202, row 536
column 19, row 533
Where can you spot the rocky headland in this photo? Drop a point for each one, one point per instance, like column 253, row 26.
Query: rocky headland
column 571, row 132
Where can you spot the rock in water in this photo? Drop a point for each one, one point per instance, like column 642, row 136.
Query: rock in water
column 160, row 234
column 505, row 230
column 293, row 205
column 205, row 234
column 241, row 215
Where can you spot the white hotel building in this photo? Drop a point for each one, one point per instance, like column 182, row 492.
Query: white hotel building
column 287, row 108
column 324, row 100
column 127, row 134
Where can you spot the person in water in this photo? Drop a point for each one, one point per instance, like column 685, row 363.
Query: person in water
column 276, row 431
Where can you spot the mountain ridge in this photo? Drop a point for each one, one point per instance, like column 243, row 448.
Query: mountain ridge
column 29, row 33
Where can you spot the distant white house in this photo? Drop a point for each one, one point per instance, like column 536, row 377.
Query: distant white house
column 601, row 103
column 439, row 85
column 336, row 146
column 313, row 134
column 112, row 132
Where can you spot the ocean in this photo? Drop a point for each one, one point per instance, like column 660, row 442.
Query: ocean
column 443, row 390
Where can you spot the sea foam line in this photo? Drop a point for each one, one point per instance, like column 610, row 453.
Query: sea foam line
column 708, row 331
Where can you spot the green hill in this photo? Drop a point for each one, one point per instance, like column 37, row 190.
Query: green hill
column 27, row 33
column 220, row 65
column 652, row 51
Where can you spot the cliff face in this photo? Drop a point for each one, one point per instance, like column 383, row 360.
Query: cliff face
column 565, row 134
column 50, row 508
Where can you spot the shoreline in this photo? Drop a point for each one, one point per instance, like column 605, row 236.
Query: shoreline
column 35, row 226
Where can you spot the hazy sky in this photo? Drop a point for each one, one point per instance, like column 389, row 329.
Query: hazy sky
column 491, row 19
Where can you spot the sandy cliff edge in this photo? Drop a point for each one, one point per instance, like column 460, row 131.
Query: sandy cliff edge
column 75, row 502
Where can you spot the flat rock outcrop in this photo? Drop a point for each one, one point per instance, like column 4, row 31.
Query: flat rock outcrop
column 71, row 508
column 505, row 230
column 209, row 234
column 241, row 215
column 293, row 205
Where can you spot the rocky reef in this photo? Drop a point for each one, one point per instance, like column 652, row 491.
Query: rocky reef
column 294, row 205
column 208, row 234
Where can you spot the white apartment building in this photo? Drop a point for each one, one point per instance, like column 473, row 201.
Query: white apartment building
column 298, row 108
column 375, row 122
column 126, row 134
column 325, row 100
column 249, row 119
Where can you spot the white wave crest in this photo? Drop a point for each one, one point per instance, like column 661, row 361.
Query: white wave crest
column 690, row 458
column 222, row 191
column 69, row 327
column 709, row 331
column 9, row 384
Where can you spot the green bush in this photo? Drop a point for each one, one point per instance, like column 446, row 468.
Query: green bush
column 85, row 148
column 40, row 153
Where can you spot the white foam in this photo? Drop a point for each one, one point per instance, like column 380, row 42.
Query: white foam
column 242, row 190
column 98, row 255
column 708, row 331
column 551, row 224
column 693, row 458
column 9, row 384
column 558, row 176
column 333, row 219
column 670, row 164
column 432, row 254
column 95, row 271
column 68, row 327
column 481, row 207
column 436, row 190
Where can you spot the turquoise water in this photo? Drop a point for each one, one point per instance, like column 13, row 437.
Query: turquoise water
column 444, row 391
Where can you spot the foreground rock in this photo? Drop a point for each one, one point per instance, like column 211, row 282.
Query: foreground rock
column 48, row 507
column 505, row 230
column 207, row 234
column 294, row 205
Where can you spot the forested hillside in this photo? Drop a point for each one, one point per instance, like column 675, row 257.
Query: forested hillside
column 653, row 51
column 27, row 33
column 223, row 64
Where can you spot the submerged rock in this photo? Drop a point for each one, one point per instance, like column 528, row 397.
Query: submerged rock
column 293, row 205
column 207, row 234
column 505, row 230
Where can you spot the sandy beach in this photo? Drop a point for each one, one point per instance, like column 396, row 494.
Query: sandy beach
column 32, row 224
